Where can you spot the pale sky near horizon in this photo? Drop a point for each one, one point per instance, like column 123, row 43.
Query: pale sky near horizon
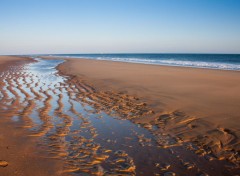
column 124, row 26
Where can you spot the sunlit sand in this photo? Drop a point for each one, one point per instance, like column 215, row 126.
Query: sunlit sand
column 84, row 129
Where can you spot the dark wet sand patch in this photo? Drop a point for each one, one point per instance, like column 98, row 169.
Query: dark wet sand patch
column 18, row 154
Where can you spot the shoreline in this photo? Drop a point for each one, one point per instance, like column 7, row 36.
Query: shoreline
column 204, row 101
column 165, row 68
column 154, row 65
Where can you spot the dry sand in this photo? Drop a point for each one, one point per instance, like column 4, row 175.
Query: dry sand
column 19, row 153
column 6, row 61
column 199, row 105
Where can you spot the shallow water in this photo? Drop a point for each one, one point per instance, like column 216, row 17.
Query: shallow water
column 91, row 139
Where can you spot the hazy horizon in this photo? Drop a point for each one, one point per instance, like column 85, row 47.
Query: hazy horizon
column 183, row 53
column 137, row 26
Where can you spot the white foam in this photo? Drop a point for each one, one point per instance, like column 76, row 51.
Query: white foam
column 170, row 62
column 196, row 64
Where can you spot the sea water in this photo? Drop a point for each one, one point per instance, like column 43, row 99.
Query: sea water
column 210, row 61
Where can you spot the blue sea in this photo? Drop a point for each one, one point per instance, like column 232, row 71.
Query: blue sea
column 210, row 61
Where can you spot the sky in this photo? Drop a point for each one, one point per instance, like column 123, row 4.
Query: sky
column 119, row 26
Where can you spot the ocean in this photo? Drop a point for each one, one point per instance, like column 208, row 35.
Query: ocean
column 210, row 61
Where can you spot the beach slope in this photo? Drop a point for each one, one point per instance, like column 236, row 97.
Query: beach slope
column 198, row 105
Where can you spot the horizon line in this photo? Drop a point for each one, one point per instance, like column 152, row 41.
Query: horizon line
column 117, row 53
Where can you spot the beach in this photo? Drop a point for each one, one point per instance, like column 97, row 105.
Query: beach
column 209, row 94
column 209, row 99
column 120, row 88
column 64, row 116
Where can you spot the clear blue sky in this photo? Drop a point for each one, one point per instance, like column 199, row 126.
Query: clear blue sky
column 115, row 26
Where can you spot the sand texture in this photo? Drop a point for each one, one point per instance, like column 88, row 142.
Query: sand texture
column 197, row 105
column 19, row 153
column 108, row 118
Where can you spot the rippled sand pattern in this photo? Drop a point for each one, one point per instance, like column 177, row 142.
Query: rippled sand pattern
column 92, row 131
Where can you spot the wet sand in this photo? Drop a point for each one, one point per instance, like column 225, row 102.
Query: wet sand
column 19, row 153
column 197, row 105
column 74, row 123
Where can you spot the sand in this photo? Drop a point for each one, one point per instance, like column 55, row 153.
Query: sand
column 171, row 115
column 19, row 153
column 198, row 105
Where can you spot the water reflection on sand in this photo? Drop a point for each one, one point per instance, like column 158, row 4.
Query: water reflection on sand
column 73, row 125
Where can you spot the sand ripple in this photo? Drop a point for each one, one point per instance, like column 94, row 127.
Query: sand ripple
column 76, row 123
